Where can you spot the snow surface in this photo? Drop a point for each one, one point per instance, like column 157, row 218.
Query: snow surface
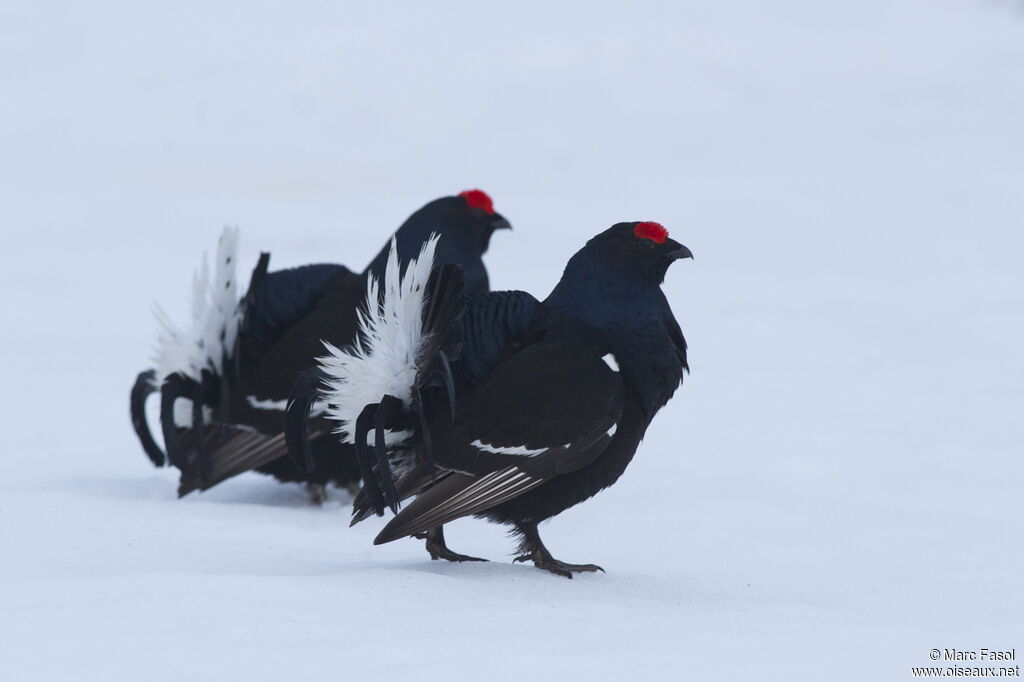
column 835, row 490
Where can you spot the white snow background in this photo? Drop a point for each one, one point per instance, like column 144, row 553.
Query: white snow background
column 835, row 490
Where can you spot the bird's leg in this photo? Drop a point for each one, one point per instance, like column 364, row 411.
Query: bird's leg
column 439, row 550
column 534, row 550
column 317, row 492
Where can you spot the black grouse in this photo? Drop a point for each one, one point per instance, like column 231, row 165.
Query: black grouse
column 231, row 372
column 551, row 399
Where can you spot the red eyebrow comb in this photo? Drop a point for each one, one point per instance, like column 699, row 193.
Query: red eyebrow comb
column 477, row 198
column 656, row 232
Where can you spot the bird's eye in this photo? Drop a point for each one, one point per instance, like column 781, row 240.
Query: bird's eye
column 646, row 243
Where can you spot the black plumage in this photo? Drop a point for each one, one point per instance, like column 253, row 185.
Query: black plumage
column 554, row 397
column 284, row 319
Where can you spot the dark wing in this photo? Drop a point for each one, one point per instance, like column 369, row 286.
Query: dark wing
column 495, row 326
column 676, row 334
column 547, row 410
column 282, row 331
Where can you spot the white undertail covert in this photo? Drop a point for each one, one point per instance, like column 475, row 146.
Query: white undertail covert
column 383, row 359
column 215, row 317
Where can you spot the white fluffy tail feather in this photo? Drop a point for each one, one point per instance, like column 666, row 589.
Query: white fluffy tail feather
column 215, row 317
column 383, row 359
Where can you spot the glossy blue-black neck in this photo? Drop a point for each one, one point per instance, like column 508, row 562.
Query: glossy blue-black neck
column 631, row 318
column 463, row 241
column 603, row 294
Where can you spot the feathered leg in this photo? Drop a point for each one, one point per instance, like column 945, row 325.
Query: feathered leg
column 317, row 492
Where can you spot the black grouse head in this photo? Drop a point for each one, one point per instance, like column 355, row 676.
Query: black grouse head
column 638, row 249
column 468, row 221
column 465, row 223
column 620, row 269
column 473, row 212
column 633, row 252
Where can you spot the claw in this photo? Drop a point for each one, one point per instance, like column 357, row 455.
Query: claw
column 142, row 389
column 370, row 485
column 175, row 386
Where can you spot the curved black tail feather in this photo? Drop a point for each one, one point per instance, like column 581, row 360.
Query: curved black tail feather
column 442, row 319
column 425, row 440
column 142, row 389
column 175, row 386
column 443, row 332
column 304, row 393
column 390, row 412
column 364, row 424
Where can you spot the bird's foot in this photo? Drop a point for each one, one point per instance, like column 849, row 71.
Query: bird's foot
column 534, row 550
column 448, row 555
column 317, row 493
column 558, row 567
column 439, row 550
